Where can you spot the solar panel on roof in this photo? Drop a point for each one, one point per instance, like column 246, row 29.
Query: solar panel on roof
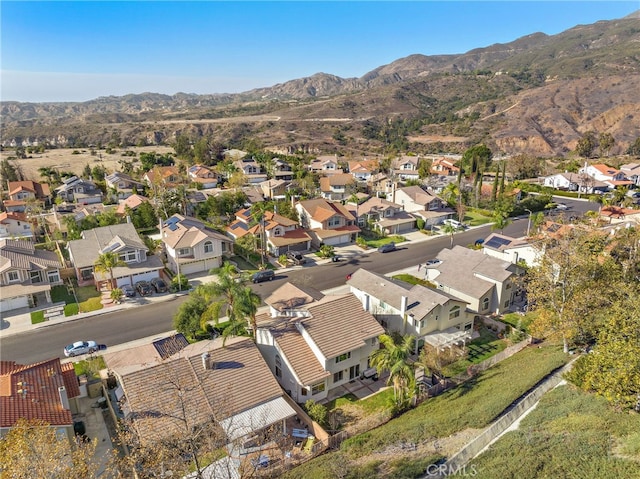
column 497, row 242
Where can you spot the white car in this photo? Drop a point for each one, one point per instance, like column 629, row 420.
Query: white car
column 561, row 206
column 80, row 347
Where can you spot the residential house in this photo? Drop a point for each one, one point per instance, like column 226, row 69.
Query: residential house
column 422, row 204
column 575, row 182
column 325, row 165
column 281, row 170
column 444, row 167
column 337, row 186
column 132, row 202
column 78, row 190
column 430, row 315
column 121, row 239
column 283, row 234
column 193, row 247
column 274, row 189
column 514, row 250
column 15, row 225
column 203, row 176
column 189, row 385
column 384, row 216
column 123, row 185
column 327, row 222
column 251, row 170
column 163, row 176
column 23, row 192
column 45, row 391
column 632, row 172
column 311, row 345
column 380, row 183
column 486, row 283
column 606, row 174
column 406, row 168
column 26, row 274
column 362, row 170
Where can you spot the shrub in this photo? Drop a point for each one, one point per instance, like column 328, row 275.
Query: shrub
column 317, row 412
column 71, row 309
column 91, row 304
column 37, row 317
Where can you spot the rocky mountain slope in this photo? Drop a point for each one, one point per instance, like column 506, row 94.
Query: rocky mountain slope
column 535, row 95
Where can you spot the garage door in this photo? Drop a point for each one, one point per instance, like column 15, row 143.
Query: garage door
column 195, row 267
column 148, row 276
column 338, row 240
column 14, row 303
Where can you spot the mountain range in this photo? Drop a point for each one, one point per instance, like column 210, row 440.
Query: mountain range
column 537, row 95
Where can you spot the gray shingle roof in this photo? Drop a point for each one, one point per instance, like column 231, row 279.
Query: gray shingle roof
column 85, row 251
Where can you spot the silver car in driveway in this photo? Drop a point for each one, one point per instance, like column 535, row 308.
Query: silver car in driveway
column 80, row 347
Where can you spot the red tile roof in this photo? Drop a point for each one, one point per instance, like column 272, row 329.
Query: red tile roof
column 32, row 392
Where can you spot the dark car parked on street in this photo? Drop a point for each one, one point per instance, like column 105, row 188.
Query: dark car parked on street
column 159, row 285
column 386, row 248
column 265, row 275
column 144, row 288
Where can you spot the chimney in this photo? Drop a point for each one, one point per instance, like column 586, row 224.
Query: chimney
column 128, row 219
column 206, row 361
column 64, row 399
column 403, row 305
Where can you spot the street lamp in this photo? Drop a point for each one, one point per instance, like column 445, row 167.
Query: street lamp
column 528, row 222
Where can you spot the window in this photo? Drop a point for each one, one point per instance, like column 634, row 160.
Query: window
column 184, row 251
column 86, row 274
column 421, row 323
column 224, row 247
column 354, row 371
column 337, row 377
column 303, row 392
column 208, row 247
column 506, row 303
column 35, row 277
column 53, row 276
column 343, row 357
column 278, row 366
column 317, row 388
column 485, row 304
column 454, row 312
column 334, row 221
column 13, row 276
column 128, row 256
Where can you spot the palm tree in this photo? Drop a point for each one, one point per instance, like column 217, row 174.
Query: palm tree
column 449, row 229
column 248, row 302
column 105, row 264
column 393, row 356
column 500, row 221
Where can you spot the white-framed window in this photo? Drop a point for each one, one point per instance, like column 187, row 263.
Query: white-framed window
column 13, row 276
column 317, row 388
column 184, row 251
column 485, row 304
column 128, row 256
column 35, row 277
column 334, row 221
column 208, row 246
column 337, row 377
column 224, row 247
column 53, row 276
column 343, row 357
column 454, row 312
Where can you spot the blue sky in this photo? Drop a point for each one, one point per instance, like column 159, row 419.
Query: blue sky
column 77, row 51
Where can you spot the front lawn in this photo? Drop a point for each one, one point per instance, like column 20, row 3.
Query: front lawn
column 377, row 242
column 476, row 218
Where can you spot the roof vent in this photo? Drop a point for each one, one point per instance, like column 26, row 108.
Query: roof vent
column 206, row 361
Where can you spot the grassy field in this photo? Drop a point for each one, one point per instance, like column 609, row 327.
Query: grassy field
column 570, row 434
column 472, row 405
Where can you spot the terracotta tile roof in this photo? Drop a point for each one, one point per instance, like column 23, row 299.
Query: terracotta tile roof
column 321, row 209
column 31, row 392
column 296, row 236
column 132, row 202
column 299, row 355
column 41, row 190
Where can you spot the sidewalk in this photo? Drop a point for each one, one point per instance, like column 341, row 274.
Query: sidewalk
column 19, row 321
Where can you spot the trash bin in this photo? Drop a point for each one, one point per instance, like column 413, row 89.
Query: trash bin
column 102, row 402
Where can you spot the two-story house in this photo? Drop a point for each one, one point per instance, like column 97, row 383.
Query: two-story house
column 15, row 225
column 484, row 282
column 281, row 170
column 26, row 274
column 283, row 234
column 327, row 222
column 193, row 247
column 430, row 315
column 444, row 167
column 78, row 190
column 406, row 168
column 362, row 170
column 514, row 250
column 423, row 204
column 132, row 203
column 123, row 185
column 122, row 239
column 384, row 216
column 163, row 176
column 23, row 192
column 606, row 174
column 251, row 169
column 45, row 391
column 311, row 345
column 336, row 187
column 203, row 176
column 581, row 182
column 632, row 172
column 325, row 165
column 274, row 188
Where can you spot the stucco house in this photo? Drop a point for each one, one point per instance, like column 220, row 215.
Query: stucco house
column 122, row 239
column 430, row 315
column 46, row 391
column 444, row 167
column 251, row 170
column 132, row 202
column 193, row 247
column 123, row 185
column 484, row 282
column 406, row 168
column 325, row 165
column 422, row 204
column 310, row 344
column 165, row 176
column 606, row 174
column 283, row 234
column 22, row 192
column 384, row 216
column 78, row 190
column 203, row 176
column 336, row 187
column 632, row 172
column 362, row 170
column 327, row 222
column 15, row 225
column 26, row 274
column 511, row 249
column 581, row 182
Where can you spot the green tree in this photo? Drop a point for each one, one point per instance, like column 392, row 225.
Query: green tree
column 248, row 302
column 189, row 319
column 475, row 160
column 106, row 262
column 9, row 171
column 500, row 221
column 634, row 148
column 424, row 168
column 587, row 144
column 605, row 143
column 393, row 356
column 449, row 229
